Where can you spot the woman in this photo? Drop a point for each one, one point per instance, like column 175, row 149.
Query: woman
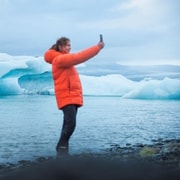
column 67, row 85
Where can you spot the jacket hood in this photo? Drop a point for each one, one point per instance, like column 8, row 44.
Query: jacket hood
column 50, row 55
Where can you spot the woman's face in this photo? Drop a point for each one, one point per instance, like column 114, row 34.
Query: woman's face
column 66, row 48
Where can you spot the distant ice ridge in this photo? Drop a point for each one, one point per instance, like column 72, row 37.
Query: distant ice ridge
column 31, row 75
column 117, row 85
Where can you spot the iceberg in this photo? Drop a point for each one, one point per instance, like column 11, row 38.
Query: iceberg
column 32, row 75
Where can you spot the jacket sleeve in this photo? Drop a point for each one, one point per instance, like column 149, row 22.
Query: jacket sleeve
column 68, row 60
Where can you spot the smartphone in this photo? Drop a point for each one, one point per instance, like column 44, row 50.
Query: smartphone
column 101, row 37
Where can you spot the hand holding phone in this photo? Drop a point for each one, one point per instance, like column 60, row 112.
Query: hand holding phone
column 101, row 42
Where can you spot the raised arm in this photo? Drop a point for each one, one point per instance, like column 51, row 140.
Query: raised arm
column 67, row 60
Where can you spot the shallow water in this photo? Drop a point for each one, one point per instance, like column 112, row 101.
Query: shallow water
column 30, row 124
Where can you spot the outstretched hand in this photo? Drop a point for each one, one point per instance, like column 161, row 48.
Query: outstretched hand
column 101, row 44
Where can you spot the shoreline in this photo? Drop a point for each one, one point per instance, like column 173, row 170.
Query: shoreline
column 161, row 158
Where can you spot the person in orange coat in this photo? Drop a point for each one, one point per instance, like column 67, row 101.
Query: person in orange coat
column 67, row 84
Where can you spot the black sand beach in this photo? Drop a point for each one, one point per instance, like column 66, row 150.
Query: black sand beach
column 159, row 160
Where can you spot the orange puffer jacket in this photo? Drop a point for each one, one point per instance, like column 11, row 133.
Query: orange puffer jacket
column 67, row 84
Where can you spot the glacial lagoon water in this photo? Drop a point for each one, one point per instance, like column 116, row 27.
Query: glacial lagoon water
column 30, row 124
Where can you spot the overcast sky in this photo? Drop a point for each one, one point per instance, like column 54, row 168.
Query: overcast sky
column 135, row 31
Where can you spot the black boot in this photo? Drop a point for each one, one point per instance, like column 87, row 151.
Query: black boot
column 62, row 151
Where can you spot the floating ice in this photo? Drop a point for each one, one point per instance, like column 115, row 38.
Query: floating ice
column 32, row 75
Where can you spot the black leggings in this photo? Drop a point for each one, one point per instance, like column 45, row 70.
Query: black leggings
column 69, row 124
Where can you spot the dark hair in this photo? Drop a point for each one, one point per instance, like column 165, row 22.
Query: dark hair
column 60, row 42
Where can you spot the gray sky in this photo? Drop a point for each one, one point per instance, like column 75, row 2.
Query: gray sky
column 135, row 31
